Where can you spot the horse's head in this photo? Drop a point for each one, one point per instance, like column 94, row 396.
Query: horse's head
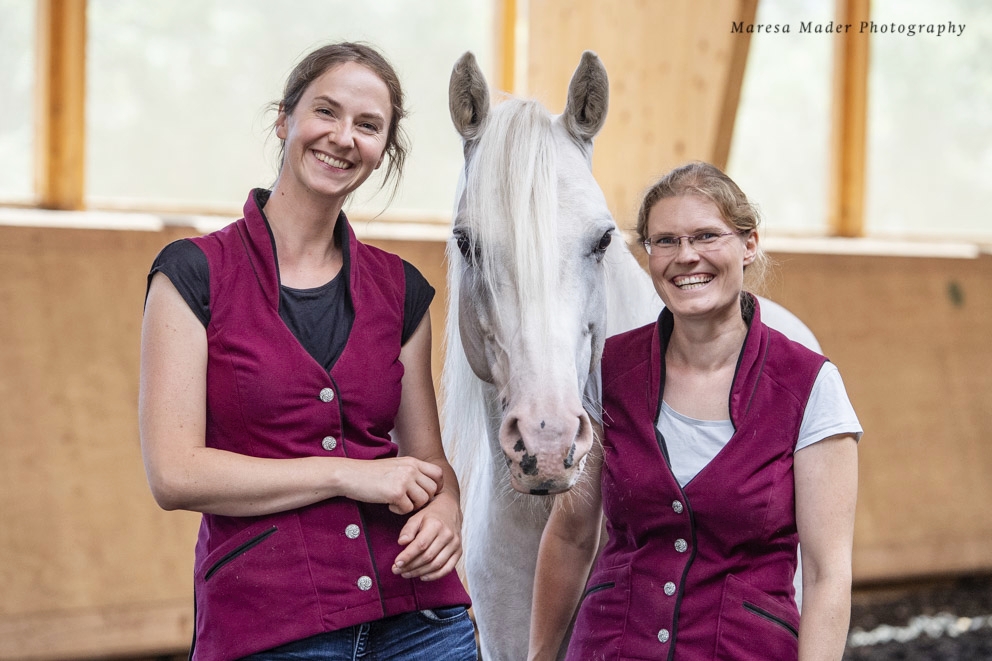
column 530, row 234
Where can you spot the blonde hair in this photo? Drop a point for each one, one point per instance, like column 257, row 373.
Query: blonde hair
column 711, row 183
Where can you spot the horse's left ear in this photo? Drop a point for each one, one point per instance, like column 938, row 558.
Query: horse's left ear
column 588, row 98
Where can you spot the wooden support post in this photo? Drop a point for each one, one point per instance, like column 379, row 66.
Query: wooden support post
column 747, row 10
column 849, row 130
column 508, row 46
column 61, row 104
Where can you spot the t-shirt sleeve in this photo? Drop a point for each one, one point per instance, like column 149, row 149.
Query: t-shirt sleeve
column 186, row 267
column 828, row 411
column 419, row 294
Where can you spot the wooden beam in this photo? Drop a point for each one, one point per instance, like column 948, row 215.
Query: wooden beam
column 850, row 111
column 508, row 45
column 61, row 101
column 740, row 46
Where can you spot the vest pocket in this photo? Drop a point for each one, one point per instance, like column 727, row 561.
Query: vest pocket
column 755, row 625
column 604, row 604
column 238, row 581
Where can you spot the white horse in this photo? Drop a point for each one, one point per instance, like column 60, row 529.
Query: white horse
column 538, row 277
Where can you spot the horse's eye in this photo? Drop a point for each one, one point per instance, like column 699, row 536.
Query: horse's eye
column 465, row 246
column 604, row 243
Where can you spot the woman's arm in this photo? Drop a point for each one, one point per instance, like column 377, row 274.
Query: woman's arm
column 826, row 476
column 185, row 474
column 568, row 548
column 432, row 536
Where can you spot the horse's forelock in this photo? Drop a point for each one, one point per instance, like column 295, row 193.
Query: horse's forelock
column 512, row 203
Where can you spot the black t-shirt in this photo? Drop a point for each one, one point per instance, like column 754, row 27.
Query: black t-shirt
column 320, row 318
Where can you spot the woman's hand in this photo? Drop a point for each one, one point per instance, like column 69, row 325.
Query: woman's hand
column 404, row 483
column 433, row 540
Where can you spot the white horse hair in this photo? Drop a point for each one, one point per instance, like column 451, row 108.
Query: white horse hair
column 535, row 285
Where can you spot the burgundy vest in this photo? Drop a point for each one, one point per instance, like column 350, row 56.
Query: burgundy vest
column 268, row 580
column 704, row 572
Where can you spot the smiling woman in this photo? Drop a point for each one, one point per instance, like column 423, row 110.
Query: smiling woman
column 286, row 394
column 336, row 129
column 722, row 441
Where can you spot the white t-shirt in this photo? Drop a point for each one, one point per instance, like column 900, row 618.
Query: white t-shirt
column 693, row 443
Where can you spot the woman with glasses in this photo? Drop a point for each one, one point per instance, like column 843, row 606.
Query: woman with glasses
column 724, row 445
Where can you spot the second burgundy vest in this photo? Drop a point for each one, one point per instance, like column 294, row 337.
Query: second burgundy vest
column 704, row 572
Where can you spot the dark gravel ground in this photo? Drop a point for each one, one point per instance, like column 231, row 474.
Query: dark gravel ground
column 941, row 620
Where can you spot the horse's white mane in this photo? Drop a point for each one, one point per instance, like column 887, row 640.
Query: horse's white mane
column 512, row 203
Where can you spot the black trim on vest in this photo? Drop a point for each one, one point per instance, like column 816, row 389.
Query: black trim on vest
column 666, row 325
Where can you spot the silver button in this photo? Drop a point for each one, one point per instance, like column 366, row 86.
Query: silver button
column 326, row 395
column 329, row 443
column 663, row 636
column 364, row 583
column 677, row 506
column 352, row 531
column 669, row 588
column 680, row 545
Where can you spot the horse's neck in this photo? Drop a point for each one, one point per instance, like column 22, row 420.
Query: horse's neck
column 630, row 296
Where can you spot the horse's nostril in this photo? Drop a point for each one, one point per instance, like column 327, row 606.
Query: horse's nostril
column 570, row 457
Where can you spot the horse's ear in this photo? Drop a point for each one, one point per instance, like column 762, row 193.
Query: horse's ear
column 588, row 98
column 468, row 96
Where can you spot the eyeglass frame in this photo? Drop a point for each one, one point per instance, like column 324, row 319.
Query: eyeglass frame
column 690, row 240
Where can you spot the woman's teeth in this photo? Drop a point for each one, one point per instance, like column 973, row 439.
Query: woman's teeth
column 333, row 162
column 692, row 281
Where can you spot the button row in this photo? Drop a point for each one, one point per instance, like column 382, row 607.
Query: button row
column 329, row 442
column 681, row 546
column 352, row 531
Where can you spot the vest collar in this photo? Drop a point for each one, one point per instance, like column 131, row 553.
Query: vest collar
column 260, row 245
column 750, row 362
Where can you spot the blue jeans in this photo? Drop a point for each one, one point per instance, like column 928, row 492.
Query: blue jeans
column 442, row 634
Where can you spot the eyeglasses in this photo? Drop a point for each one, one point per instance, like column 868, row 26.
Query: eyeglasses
column 667, row 244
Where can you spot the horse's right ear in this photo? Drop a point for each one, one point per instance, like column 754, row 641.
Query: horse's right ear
column 468, row 97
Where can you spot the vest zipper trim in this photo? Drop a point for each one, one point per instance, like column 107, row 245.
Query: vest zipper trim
column 239, row 550
column 598, row 588
column 760, row 612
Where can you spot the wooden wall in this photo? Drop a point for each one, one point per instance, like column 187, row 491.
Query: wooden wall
column 91, row 567
column 911, row 339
